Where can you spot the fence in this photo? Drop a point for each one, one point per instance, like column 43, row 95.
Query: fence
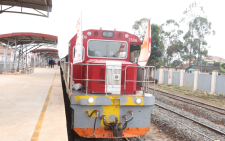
column 157, row 74
column 9, row 66
column 204, row 82
column 213, row 83
column 220, row 84
column 176, row 78
column 189, row 80
column 166, row 75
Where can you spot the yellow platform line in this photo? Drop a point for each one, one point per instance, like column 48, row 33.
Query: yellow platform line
column 42, row 115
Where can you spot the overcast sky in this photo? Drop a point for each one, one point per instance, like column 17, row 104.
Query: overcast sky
column 119, row 14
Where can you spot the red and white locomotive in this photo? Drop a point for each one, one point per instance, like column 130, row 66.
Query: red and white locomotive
column 113, row 100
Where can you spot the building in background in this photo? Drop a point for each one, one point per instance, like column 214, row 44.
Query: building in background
column 205, row 69
column 210, row 60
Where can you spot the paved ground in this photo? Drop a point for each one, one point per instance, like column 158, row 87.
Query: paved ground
column 22, row 98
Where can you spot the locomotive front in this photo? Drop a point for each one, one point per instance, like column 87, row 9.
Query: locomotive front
column 114, row 100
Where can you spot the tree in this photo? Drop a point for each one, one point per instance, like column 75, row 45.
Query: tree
column 157, row 47
column 198, row 28
column 223, row 65
column 202, row 28
column 216, row 63
column 140, row 27
column 176, row 63
column 171, row 39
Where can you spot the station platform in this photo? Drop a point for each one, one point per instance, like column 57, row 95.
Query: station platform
column 32, row 107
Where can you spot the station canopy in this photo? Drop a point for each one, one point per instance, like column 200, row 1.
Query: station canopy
column 34, row 7
column 48, row 52
column 29, row 41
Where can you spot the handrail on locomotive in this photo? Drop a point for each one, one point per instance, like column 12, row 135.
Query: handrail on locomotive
column 145, row 79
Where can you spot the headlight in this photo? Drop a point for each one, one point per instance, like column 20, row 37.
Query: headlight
column 89, row 33
column 138, row 100
column 126, row 35
column 91, row 100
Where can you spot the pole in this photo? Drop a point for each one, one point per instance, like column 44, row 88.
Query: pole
column 26, row 58
column 39, row 58
column 22, row 58
column 14, row 65
column 6, row 56
column 34, row 58
column 81, row 44
column 19, row 60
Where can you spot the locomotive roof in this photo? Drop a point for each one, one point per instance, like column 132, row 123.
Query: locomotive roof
column 116, row 32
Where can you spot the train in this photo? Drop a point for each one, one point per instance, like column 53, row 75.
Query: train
column 107, row 94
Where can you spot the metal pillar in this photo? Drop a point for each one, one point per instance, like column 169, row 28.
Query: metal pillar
column 18, row 67
column 26, row 57
column 22, row 58
column 14, row 61
column 6, row 56
column 34, row 59
column 39, row 59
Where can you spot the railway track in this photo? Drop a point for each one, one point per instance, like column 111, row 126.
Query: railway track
column 218, row 132
column 192, row 102
column 133, row 139
column 119, row 139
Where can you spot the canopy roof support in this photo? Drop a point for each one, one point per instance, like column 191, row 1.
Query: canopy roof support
column 36, row 6
column 24, row 43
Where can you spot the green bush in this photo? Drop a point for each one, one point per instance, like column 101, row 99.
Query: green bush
column 222, row 69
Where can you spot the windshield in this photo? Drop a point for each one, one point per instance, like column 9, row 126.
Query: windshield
column 107, row 49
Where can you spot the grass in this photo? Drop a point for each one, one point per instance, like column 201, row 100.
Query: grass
column 217, row 99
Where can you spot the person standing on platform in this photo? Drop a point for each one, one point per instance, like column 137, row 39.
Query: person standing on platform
column 50, row 63
column 53, row 63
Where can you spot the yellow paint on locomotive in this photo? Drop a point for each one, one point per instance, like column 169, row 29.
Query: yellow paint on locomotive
column 130, row 100
column 108, row 111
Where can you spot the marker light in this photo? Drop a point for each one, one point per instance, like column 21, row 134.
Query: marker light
column 91, row 100
column 96, row 33
column 126, row 35
column 138, row 100
column 89, row 33
column 108, row 34
column 120, row 35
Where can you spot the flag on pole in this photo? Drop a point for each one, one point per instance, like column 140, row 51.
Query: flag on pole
column 79, row 41
column 145, row 48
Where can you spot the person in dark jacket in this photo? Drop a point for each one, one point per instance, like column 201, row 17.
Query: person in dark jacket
column 53, row 63
column 50, row 63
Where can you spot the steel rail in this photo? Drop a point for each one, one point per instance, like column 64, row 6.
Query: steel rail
column 191, row 101
column 189, row 118
column 127, row 139
column 184, row 125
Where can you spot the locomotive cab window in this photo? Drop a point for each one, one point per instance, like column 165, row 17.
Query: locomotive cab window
column 134, row 53
column 82, row 52
column 107, row 49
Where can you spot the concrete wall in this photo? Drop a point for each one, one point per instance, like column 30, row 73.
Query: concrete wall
column 204, row 82
column 176, row 78
column 166, row 75
column 188, row 80
column 220, row 84
column 212, row 83
column 157, row 75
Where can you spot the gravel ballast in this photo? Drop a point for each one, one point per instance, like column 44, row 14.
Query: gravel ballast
column 183, row 128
